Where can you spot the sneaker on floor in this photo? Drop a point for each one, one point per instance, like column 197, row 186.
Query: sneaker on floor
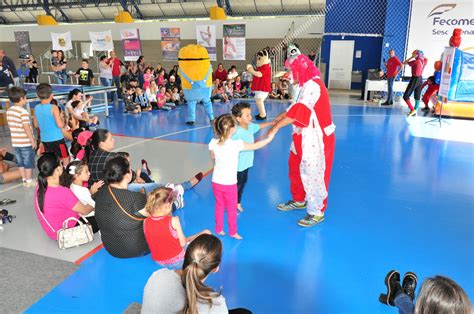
column 179, row 201
column 291, row 205
column 426, row 109
column 145, row 167
column 310, row 220
column 411, row 113
column 29, row 184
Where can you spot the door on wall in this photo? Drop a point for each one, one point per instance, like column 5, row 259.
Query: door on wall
column 340, row 64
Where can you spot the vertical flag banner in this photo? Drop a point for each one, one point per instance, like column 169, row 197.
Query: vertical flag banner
column 23, row 44
column 131, row 44
column 61, row 41
column 101, row 41
column 170, row 43
column 446, row 71
column 233, row 42
column 206, row 37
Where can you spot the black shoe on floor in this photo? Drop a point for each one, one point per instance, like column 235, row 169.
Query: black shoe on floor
column 190, row 123
column 392, row 281
column 259, row 118
column 385, row 103
column 426, row 109
column 409, row 284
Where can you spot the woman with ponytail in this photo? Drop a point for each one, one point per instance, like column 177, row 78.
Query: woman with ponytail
column 184, row 291
column 53, row 202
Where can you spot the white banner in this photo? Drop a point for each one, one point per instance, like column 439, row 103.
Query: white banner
column 101, row 41
column 233, row 42
column 446, row 71
column 432, row 24
column 206, row 37
column 61, row 41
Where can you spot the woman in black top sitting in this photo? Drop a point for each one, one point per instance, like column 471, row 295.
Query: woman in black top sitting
column 120, row 212
column 102, row 143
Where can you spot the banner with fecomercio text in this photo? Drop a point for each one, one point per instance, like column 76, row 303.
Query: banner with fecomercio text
column 131, row 44
column 206, row 37
column 101, row 41
column 432, row 24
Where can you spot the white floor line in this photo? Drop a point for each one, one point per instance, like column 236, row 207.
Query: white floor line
column 127, row 146
column 11, row 188
column 160, row 136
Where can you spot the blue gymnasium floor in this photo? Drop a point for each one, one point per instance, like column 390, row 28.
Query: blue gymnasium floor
column 396, row 202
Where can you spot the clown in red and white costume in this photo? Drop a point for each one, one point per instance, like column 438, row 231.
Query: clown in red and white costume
column 312, row 149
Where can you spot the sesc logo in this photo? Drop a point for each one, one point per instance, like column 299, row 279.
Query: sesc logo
column 442, row 8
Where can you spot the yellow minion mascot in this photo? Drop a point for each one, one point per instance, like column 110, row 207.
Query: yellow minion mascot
column 195, row 71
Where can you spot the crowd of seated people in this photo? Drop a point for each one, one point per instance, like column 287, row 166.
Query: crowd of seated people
column 93, row 183
column 228, row 85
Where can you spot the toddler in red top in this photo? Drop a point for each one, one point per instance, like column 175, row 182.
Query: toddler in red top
column 163, row 231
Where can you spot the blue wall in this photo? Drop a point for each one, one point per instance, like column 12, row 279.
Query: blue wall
column 371, row 48
column 396, row 28
column 386, row 18
column 355, row 16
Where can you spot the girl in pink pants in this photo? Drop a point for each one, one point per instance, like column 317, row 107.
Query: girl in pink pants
column 225, row 153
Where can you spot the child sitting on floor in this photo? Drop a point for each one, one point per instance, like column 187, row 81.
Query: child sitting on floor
column 90, row 121
column 275, row 93
column 75, row 176
column 163, row 231
column 162, row 102
column 176, row 97
column 229, row 89
column 129, row 100
column 141, row 99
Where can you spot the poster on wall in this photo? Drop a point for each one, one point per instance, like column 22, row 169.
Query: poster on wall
column 233, row 42
column 446, row 71
column 432, row 24
column 170, row 43
column 61, row 41
column 131, row 44
column 206, row 37
column 23, row 44
column 101, row 41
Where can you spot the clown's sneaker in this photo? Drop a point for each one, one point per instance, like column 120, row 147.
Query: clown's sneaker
column 291, row 205
column 310, row 220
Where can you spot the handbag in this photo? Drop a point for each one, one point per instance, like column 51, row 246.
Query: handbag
column 71, row 237
column 75, row 236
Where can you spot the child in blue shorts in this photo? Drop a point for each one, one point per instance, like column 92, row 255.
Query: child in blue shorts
column 245, row 131
column 22, row 137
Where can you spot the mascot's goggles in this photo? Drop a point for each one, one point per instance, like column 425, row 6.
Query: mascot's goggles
column 192, row 59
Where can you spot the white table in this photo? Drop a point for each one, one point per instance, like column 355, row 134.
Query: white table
column 382, row 86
